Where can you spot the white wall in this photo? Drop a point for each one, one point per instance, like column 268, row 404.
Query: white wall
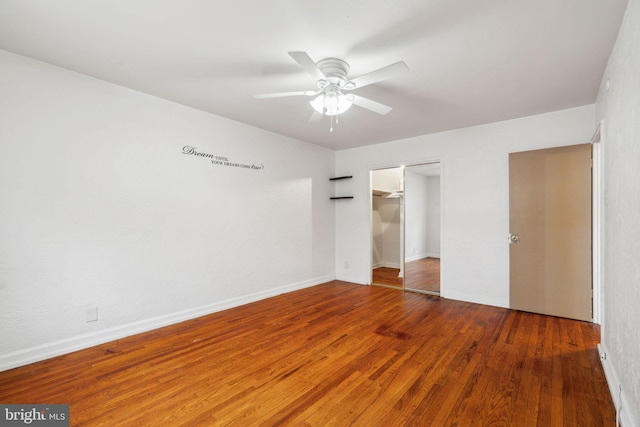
column 422, row 215
column 386, row 232
column 619, row 108
column 475, row 177
column 416, row 208
column 433, row 217
column 389, row 180
column 100, row 208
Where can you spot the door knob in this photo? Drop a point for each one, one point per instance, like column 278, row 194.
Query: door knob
column 513, row 238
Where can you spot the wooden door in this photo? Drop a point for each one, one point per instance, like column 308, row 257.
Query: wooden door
column 550, row 231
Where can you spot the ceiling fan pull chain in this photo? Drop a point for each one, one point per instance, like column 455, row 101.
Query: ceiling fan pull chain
column 331, row 128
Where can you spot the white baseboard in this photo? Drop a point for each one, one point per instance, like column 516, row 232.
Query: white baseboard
column 628, row 413
column 415, row 257
column 390, row 264
column 386, row 265
column 350, row 279
column 421, row 256
column 79, row 342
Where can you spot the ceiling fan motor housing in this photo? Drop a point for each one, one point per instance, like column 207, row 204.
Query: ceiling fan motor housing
column 335, row 70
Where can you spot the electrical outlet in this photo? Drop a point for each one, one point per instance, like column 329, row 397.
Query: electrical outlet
column 346, row 265
column 92, row 314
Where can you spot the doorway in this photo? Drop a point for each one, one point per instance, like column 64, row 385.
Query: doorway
column 386, row 227
column 550, row 223
column 406, row 227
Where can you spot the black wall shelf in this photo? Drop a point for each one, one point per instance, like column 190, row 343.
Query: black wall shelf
column 337, row 178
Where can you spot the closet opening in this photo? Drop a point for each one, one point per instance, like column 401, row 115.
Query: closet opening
column 406, row 227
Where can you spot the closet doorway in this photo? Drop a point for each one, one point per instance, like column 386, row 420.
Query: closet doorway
column 406, row 218
column 386, row 227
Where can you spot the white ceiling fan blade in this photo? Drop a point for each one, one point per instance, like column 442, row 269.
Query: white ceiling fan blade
column 315, row 117
column 383, row 73
column 308, row 65
column 283, row 94
column 368, row 104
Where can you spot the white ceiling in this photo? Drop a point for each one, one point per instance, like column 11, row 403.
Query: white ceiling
column 470, row 61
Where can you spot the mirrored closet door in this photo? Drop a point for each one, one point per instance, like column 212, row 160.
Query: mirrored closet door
column 422, row 228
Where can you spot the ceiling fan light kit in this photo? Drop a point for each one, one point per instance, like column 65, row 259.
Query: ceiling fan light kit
column 331, row 75
column 331, row 103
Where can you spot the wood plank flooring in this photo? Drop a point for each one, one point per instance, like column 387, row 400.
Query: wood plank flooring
column 334, row 354
column 422, row 274
column 387, row 276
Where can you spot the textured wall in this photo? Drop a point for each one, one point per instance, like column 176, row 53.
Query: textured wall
column 101, row 208
column 618, row 106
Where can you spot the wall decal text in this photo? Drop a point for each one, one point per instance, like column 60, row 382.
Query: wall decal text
column 219, row 160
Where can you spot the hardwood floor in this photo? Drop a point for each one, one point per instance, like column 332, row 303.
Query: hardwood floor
column 387, row 276
column 423, row 275
column 335, row 354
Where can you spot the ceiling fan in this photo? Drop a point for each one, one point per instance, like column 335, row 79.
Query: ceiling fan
column 331, row 80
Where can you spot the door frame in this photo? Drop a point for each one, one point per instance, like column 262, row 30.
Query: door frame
column 400, row 164
column 598, row 220
column 551, row 208
column 598, row 202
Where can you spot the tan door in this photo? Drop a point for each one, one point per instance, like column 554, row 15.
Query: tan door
column 550, row 231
